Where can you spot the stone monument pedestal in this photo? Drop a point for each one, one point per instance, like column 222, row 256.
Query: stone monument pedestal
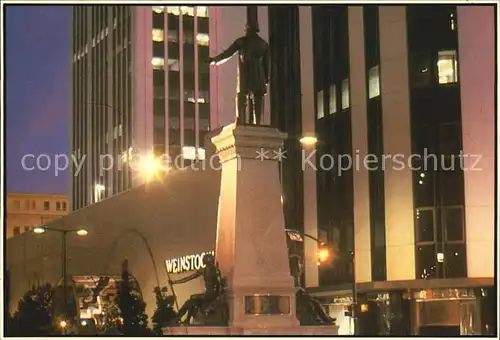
column 251, row 248
column 251, row 244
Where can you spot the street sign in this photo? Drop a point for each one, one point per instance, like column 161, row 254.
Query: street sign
column 295, row 236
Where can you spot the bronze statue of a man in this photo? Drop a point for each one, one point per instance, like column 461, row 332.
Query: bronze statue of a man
column 253, row 74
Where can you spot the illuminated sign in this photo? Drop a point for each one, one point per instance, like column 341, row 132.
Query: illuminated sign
column 186, row 263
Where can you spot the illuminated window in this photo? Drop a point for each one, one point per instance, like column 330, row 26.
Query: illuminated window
column 345, row 94
column 193, row 153
column 374, row 82
column 158, row 63
column 453, row 26
column 202, row 39
column 333, row 99
column 158, row 9
column 173, row 10
column 320, row 105
column 447, row 67
column 187, row 10
column 157, row 35
column 173, row 64
column 203, row 96
column 202, row 11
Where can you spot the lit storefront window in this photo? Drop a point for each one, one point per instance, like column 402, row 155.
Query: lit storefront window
column 157, row 35
column 447, row 67
column 158, row 63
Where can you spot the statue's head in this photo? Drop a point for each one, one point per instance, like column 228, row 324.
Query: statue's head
column 251, row 29
column 208, row 259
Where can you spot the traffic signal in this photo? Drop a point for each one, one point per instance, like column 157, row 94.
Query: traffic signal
column 323, row 254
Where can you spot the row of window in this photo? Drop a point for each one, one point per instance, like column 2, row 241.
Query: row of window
column 43, row 220
column 31, row 205
column 345, row 102
column 447, row 71
column 158, row 35
column 189, row 95
column 201, row 11
column 158, row 63
column 17, row 230
column 452, row 222
column 174, row 123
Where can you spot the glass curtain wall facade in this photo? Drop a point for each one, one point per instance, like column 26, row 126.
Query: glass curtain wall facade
column 437, row 136
column 181, row 81
column 333, row 129
column 105, row 41
column 102, row 99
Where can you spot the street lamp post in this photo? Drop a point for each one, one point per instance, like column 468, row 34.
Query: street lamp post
column 150, row 252
column 63, row 232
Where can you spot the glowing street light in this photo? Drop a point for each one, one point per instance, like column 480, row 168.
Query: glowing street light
column 82, row 232
column 308, row 141
column 149, row 167
column 39, row 230
column 63, row 232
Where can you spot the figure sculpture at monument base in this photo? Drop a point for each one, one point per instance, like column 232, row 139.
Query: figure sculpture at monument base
column 203, row 307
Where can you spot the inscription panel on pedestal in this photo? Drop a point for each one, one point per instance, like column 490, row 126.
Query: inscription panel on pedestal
column 267, row 305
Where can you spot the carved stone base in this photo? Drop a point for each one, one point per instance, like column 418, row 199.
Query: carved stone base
column 227, row 331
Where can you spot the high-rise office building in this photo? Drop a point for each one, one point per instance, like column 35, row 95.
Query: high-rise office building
column 140, row 88
column 402, row 93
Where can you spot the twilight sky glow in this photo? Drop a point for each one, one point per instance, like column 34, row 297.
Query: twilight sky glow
column 37, row 95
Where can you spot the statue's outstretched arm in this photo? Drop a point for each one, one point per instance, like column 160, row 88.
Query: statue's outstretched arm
column 187, row 278
column 231, row 50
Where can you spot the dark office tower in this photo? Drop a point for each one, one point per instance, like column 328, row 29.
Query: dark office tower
column 402, row 105
column 140, row 89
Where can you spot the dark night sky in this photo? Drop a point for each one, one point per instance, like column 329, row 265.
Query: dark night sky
column 38, row 90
